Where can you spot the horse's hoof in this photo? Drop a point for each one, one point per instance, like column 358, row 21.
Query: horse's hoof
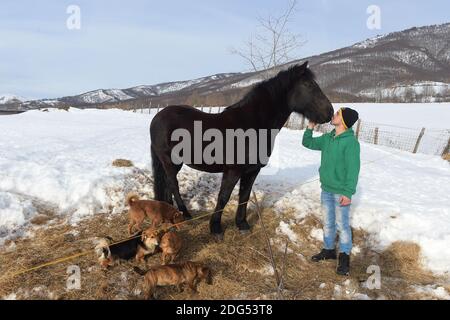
column 245, row 232
column 218, row 236
column 189, row 217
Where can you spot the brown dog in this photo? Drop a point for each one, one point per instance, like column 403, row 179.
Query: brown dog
column 166, row 238
column 190, row 273
column 158, row 211
column 170, row 246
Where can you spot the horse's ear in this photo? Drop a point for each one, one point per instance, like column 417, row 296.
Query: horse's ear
column 300, row 69
column 304, row 66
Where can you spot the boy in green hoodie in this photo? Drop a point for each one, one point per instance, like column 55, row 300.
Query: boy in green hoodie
column 339, row 171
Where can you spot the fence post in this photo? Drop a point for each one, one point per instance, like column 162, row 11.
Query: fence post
column 358, row 128
column 416, row 147
column 446, row 149
column 201, row 108
column 210, row 109
column 157, row 110
column 376, row 136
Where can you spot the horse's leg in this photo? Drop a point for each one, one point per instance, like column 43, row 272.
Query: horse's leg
column 160, row 189
column 171, row 172
column 229, row 180
column 245, row 189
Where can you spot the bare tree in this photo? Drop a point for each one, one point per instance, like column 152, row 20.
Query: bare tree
column 274, row 43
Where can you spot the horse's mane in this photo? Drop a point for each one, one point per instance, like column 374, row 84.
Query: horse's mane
column 277, row 86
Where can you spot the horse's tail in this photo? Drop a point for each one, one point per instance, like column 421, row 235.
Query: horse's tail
column 160, row 187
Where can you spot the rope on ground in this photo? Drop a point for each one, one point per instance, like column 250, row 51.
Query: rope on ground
column 84, row 253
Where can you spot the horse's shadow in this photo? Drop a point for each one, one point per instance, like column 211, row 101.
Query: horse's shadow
column 196, row 188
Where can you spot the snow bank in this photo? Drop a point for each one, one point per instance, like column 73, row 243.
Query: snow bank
column 14, row 212
column 64, row 159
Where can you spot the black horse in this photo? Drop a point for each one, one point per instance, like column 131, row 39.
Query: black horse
column 267, row 106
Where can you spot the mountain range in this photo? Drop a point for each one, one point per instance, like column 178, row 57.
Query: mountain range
column 406, row 66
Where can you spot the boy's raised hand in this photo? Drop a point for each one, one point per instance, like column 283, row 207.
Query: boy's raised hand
column 344, row 201
column 311, row 125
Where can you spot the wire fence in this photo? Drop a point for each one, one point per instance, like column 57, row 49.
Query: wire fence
column 415, row 140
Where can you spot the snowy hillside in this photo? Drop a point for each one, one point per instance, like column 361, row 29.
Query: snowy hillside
column 63, row 159
column 427, row 89
column 10, row 98
column 117, row 95
column 412, row 65
column 101, row 96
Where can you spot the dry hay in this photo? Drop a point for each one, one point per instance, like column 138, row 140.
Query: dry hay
column 240, row 264
column 40, row 219
column 403, row 259
column 120, row 163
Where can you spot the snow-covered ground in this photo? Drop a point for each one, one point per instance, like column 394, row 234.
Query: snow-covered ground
column 64, row 159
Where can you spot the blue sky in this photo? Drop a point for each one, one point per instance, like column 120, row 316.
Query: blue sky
column 127, row 43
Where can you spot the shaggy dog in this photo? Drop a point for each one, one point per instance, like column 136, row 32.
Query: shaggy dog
column 150, row 238
column 158, row 211
column 190, row 273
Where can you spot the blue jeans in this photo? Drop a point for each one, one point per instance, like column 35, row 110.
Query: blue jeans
column 335, row 218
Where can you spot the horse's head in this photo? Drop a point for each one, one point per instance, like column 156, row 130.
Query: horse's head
column 307, row 98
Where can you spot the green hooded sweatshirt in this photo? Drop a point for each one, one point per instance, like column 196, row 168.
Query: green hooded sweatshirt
column 340, row 161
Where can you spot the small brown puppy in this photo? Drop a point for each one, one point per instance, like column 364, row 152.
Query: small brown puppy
column 170, row 246
column 158, row 211
column 190, row 273
column 166, row 238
